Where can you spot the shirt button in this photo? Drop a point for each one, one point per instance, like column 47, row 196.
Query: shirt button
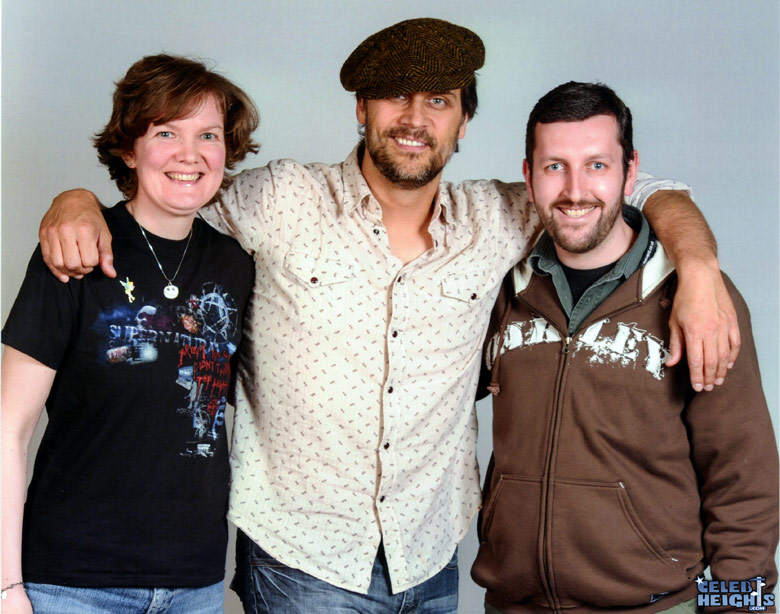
column 314, row 280
column 390, row 390
column 387, row 445
column 382, row 498
column 474, row 296
column 376, row 231
column 395, row 333
column 400, row 279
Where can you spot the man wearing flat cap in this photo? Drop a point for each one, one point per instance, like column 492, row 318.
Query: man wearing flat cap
column 354, row 450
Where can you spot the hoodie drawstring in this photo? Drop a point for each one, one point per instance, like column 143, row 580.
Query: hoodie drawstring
column 494, row 387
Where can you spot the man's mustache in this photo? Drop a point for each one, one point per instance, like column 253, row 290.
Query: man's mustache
column 413, row 135
column 577, row 204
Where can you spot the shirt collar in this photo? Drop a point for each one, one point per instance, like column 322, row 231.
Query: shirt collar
column 356, row 190
column 358, row 194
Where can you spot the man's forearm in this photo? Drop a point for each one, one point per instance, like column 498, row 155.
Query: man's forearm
column 703, row 317
column 681, row 228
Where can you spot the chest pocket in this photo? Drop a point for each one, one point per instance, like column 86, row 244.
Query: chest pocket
column 470, row 285
column 318, row 272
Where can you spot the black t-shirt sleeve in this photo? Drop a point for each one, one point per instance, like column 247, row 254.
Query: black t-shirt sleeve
column 42, row 322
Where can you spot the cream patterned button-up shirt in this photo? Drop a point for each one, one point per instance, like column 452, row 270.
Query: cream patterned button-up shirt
column 355, row 416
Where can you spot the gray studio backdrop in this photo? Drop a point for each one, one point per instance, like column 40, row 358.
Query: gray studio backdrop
column 700, row 76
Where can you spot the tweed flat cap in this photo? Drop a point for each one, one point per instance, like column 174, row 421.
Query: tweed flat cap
column 417, row 55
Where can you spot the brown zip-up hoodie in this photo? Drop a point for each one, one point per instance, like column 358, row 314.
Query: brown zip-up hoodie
column 612, row 483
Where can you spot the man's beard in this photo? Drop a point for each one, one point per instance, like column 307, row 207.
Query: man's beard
column 378, row 148
column 596, row 235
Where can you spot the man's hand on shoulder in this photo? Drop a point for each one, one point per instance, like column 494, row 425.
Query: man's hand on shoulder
column 74, row 236
column 704, row 324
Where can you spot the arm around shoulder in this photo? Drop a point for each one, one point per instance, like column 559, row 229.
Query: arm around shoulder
column 254, row 198
column 703, row 319
column 74, row 236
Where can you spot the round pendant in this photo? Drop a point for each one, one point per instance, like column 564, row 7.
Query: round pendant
column 170, row 291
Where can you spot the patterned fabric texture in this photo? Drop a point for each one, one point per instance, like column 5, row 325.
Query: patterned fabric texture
column 355, row 418
column 418, row 55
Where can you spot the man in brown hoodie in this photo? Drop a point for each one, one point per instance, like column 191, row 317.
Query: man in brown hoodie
column 613, row 484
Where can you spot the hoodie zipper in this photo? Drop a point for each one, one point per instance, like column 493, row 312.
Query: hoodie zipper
column 548, row 479
column 547, row 492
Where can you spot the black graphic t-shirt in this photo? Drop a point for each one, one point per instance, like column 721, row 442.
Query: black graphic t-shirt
column 130, row 483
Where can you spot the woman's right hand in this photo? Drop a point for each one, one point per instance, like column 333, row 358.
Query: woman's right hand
column 74, row 236
column 16, row 602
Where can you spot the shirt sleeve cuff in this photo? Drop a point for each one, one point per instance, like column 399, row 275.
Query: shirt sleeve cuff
column 646, row 184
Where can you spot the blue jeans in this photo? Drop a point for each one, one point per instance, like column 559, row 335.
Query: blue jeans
column 267, row 586
column 58, row 599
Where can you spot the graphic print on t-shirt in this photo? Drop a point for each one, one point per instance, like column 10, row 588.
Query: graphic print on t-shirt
column 199, row 335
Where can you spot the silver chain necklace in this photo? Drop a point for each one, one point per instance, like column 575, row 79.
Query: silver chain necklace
column 171, row 291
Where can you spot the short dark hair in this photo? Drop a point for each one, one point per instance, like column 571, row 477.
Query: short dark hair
column 468, row 99
column 161, row 88
column 575, row 102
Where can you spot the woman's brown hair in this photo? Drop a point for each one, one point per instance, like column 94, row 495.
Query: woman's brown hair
column 161, row 88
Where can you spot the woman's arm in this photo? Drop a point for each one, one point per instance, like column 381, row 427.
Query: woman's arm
column 25, row 386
